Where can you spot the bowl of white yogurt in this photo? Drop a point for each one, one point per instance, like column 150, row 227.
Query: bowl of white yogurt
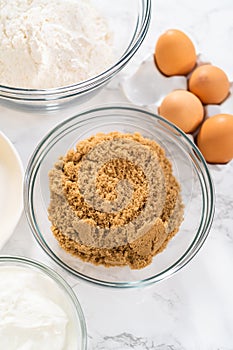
column 38, row 309
column 54, row 52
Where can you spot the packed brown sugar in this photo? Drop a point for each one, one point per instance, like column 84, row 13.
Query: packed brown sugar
column 114, row 200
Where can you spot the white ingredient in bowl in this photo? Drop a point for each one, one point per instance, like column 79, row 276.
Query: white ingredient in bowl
column 34, row 312
column 48, row 44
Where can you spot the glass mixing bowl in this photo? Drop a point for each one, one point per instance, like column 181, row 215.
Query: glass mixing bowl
column 189, row 168
column 128, row 21
column 46, row 280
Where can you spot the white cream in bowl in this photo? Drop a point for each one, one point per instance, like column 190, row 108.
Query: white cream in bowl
column 35, row 313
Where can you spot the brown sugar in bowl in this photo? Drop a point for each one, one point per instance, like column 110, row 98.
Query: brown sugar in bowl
column 132, row 233
column 188, row 167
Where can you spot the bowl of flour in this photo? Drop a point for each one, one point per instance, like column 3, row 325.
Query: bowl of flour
column 53, row 52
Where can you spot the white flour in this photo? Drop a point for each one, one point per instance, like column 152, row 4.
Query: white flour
column 46, row 44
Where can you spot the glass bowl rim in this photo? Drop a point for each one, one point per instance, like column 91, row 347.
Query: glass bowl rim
column 93, row 82
column 58, row 279
column 34, row 165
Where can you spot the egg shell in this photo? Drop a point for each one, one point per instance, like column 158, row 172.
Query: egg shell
column 183, row 109
column 215, row 138
column 209, row 83
column 147, row 86
column 175, row 53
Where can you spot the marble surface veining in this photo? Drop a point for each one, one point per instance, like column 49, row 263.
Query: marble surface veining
column 193, row 310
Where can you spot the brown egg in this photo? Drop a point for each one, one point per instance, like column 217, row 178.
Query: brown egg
column 183, row 109
column 175, row 53
column 209, row 83
column 215, row 138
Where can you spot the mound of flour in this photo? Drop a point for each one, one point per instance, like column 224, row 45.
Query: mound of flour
column 47, row 44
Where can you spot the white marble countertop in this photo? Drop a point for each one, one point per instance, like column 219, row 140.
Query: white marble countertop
column 193, row 310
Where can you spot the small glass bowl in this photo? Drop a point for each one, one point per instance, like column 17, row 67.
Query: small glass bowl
column 189, row 167
column 129, row 22
column 64, row 292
